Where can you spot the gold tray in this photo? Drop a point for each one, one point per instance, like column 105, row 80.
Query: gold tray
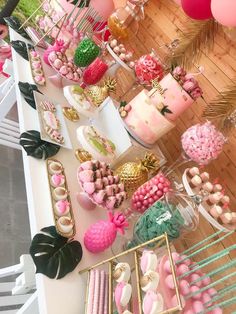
column 70, row 213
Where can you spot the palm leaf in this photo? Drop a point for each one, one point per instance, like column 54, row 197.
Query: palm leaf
column 15, row 24
column 222, row 108
column 35, row 147
column 27, row 91
column 21, row 48
column 53, row 255
column 200, row 35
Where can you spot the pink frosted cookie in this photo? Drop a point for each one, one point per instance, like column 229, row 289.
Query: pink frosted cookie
column 122, row 295
column 54, row 135
column 149, row 281
column 51, row 120
column 57, row 180
column 148, row 261
column 62, row 207
column 47, row 106
column 122, row 272
column 153, row 303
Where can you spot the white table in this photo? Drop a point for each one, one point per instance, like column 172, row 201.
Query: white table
column 67, row 295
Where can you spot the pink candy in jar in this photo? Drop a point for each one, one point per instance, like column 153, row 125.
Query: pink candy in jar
column 150, row 192
column 202, row 143
column 148, row 68
column 95, row 71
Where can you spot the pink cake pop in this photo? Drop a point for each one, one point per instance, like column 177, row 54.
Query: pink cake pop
column 202, row 143
column 184, row 287
column 198, row 306
column 195, row 289
column 122, row 295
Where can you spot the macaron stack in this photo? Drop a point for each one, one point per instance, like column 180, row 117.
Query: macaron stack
column 99, row 183
column 216, row 202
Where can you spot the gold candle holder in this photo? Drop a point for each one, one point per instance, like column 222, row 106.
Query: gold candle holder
column 160, row 241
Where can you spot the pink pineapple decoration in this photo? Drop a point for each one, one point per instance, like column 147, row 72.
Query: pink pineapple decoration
column 102, row 234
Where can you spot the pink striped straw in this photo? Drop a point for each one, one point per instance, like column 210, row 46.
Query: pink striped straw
column 106, row 295
column 102, row 291
column 91, row 291
column 96, row 292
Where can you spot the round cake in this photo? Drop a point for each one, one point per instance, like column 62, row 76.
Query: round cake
column 75, row 97
column 144, row 120
column 96, row 144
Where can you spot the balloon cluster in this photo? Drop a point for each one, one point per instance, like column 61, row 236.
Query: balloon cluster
column 222, row 11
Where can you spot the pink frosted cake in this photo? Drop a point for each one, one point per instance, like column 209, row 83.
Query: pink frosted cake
column 174, row 97
column 144, row 120
column 150, row 115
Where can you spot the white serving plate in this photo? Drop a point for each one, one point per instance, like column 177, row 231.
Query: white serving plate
column 59, row 114
column 201, row 208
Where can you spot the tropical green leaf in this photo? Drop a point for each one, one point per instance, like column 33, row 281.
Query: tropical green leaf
column 53, row 255
column 123, row 103
column 165, row 110
column 21, row 48
column 15, row 24
column 35, row 147
column 27, row 91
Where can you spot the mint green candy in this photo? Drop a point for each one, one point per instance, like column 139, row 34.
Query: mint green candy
column 86, row 52
column 157, row 220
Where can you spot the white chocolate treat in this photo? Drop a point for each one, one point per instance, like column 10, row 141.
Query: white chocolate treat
column 214, row 198
column 148, row 261
column 55, row 168
column 205, row 176
column 217, row 188
column 216, row 211
column 150, row 281
column 196, row 181
column 122, row 294
column 51, row 120
column 193, row 172
column 153, row 303
column 227, row 218
column 60, row 193
column 122, row 272
column 225, row 200
column 65, row 224
column 208, row 187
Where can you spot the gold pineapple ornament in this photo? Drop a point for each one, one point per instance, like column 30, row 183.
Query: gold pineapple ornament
column 134, row 174
column 97, row 94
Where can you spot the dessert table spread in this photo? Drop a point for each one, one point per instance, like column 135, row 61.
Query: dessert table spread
column 66, row 295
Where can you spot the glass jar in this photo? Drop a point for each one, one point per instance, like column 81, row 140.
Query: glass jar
column 176, row 214
column 124, row 22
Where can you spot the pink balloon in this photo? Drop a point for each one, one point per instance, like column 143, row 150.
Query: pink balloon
column 197, row 9
column 224, row 11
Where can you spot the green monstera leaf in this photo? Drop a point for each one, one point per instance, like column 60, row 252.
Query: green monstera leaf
column 21, row 48
column 27, row 92
column 54, row 255
column 15, row 24
column 35, row 147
